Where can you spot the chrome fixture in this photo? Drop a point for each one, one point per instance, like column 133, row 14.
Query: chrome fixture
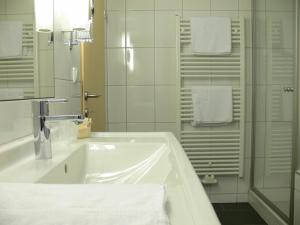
column 87, row 95
column 75, row 37
column 42, row 134
column 288, row 89
column 78, row 25
column 50, row 38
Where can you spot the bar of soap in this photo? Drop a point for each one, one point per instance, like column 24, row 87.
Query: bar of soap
column 84, row 130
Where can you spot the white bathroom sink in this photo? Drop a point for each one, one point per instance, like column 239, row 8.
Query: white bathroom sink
column 125, row 158
column 117, row 160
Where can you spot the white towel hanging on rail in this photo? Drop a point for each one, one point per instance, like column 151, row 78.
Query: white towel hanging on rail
column 11, row 34
column 211, row 35
column 212, row 105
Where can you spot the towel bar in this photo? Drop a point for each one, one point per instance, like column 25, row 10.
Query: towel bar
column 212, row 151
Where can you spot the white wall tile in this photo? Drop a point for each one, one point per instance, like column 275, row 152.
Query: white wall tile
column 47, row 92
column 19, row 7
column 140, row 104
column 259, row 171
column 168, row 4
column 141, row 70
column 165, row 103
column 195, row 13
column 226, row 184
column 115, row 4
column 233, row 14
column 140, row 4
column 46, row 70
column 167, row 127
column 116, row 29
column 117, row 104
column 62, row 90
column 117, row 127
column 245, row 4
column 165, row 28
column 25, row 18
column 260, row 5
column 140, row 29
column 280, row 5
column 140, row 127
column 243, row 198
column 62, row 67
column 224, row 5
column 196, row 4
column 244, row 182
column 15, row 120
column 116, row 66
column 260, row 134
column 165, row 66
column 2, row 7
column 261, row 104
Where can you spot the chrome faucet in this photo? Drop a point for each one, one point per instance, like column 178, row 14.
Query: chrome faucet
column 41, row 133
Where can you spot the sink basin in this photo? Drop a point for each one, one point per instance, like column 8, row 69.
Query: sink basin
column 127, row 161
column 125, row 158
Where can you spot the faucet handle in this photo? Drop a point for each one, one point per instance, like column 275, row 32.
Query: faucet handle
column 46, row 101
column 40, row 107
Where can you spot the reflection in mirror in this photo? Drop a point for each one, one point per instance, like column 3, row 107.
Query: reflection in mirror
column 26, row 56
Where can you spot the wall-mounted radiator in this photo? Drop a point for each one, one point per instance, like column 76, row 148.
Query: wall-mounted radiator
column 212, row 150
column 21, row 72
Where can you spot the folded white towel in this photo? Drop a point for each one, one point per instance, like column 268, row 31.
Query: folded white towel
column 212, row 104
column 40, row 204
column 211, row 35
column 11, row 35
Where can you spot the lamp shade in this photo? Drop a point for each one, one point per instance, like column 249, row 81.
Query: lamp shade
column 75, row 14
column 43, row 15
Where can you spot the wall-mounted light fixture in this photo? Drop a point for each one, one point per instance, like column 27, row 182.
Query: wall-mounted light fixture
column 44, row 17
column 76, row 19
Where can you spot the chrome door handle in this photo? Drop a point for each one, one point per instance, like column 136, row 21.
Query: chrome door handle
column 87, row 96
column 288, row 89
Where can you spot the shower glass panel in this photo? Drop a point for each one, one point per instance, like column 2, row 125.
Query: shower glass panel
column 274, row 90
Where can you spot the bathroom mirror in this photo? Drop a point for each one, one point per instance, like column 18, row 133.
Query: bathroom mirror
column 26, row 56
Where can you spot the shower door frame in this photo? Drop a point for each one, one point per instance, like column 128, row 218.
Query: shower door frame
column 295, row 127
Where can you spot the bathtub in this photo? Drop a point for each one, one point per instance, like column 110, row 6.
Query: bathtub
column 125, row 158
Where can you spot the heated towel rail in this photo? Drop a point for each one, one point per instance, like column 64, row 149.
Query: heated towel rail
column 212, row 150
column 20, row 72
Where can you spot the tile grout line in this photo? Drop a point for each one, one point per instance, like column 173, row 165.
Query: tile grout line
column 126, row 68
column 154, row 78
